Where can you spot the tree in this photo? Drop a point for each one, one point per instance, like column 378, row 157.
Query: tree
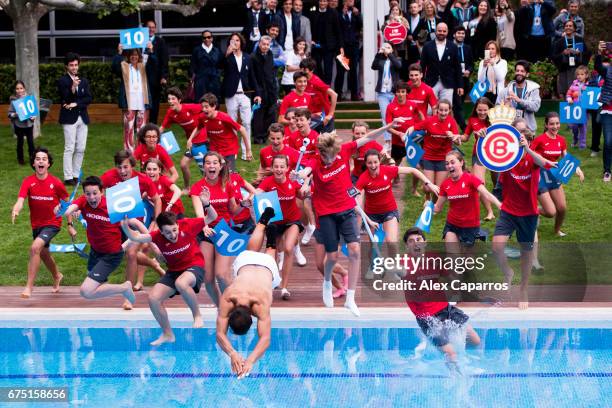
column 26, row 14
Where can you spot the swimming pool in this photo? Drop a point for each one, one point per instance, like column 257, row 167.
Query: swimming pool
column 110, row 364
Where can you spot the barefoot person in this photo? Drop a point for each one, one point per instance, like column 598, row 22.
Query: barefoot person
column 255, row 276
column 43, row 191
column 104, row 238
column 176, row 242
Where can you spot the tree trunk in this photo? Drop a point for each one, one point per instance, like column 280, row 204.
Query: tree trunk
column 25, row 16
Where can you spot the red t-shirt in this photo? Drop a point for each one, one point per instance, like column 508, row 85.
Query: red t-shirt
column 293, row 100
column 331, row 183
column 287, row 193
column 287, row 135
column 520, row 188
column 317, row 89
column 163, row 185
column 474, row 124
column 236, row 182
column 221, row 133
column 437, row 147
column 549, row 148
column 142, row 154
column 111, row 178
column 359, row 159
column 267, row 154
column 378, row 192
column 463, row 200
column 408, row 111
column 296, row 141
column 187, row 117
column 185, row 252
column 103, row 236
column 43, row 196
column 424, row 303
column 423, row 97
column 219, row 198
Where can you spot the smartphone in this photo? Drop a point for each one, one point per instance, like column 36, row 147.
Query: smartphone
column 487, row 54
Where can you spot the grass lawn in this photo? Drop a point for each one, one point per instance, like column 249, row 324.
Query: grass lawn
column 589, row 205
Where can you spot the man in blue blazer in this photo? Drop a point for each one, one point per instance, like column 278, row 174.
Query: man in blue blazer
column 75, row 97
column 440, row 62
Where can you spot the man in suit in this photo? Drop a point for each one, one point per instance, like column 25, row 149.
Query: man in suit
column 289, row 27
column 205, row 62
column 238, row 83
column 326, row 40
column 157, row 73
column 305, row 31
column 351, row 24
column 271, row 13
column 255, row 25
column 466, row 59
column 440, row 61
column 266, row 86
column 75, row 97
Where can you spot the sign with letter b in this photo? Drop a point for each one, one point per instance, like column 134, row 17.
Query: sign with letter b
column 124, row 199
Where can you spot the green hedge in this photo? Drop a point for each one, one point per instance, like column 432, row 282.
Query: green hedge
column 104, row 85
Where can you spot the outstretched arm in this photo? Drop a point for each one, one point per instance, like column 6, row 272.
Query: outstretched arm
column 539, row 160
column 484, row 192
column 135, row 236
column 17, row 208
column 377, row 132
column 264, row 327
column 418, row 174
column 225, row 307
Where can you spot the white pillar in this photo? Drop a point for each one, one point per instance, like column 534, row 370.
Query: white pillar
column 373, row 14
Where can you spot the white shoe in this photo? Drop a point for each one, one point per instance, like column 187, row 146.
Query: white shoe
column 352, row 306
column 281, row 259
column 308, row 231
column 285, row 294
column 328, row 297
column 593, row 154
column 299, row 256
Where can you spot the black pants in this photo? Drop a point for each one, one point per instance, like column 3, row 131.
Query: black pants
column 28, row 133
column 262, row 119
column 352, row 53
column 595, row 130
column 458, row 104
column 155, row 98
column 325, row 64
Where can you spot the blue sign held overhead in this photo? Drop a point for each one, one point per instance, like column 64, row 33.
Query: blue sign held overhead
column 134, row 38
column 589, row 97
column 479, row 90
column 572, row 113
column 227, row 241
column 168, row 142
column 565, row 168
column 26, row 107
column 265, row 200
column 424, row 221
column 124, row 199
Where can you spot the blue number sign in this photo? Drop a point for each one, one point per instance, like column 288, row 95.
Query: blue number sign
column 424, row 221
column 572, row 113
column 67, row 248
column 198, row 152
column 265, row 200
column 414, row 152
column 134, row 38
column 227, row 241
column 589, row 97
column 547, row 180
column 124, row 199
column 566, row 168
column 479, row 89
column 168, row 142
column 26, row 107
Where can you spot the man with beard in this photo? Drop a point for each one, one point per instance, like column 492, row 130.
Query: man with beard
column 522, row 94
column 440, row 62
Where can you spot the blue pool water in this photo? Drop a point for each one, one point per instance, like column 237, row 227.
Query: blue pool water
column 314, row 367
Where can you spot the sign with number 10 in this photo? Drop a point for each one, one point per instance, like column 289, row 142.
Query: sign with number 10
column 572, row 113
column 566, row 168
column 134, row 38
column 124, row 199
column 26, row 107
column 227, row 241
column 479, row 89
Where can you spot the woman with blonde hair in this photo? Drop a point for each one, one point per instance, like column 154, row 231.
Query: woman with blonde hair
column 494, row 69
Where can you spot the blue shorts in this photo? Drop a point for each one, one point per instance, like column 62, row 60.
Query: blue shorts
column 524, row 226
column 439, row 326
column 433, row 165
column 384, row 217
column 169, row 279
column 45, row 233
column 100, row 265
column 467, row 235
column 334, row 226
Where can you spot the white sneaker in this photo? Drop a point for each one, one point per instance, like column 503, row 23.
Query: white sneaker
column 308, row 231
column 299, row 256
column 593, row 154
column 243, row 157
column 285, row 294
column 281, row 259
column 328, row 297
column 352, row 306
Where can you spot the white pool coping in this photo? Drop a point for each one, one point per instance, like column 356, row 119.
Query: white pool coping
column 540, row 317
